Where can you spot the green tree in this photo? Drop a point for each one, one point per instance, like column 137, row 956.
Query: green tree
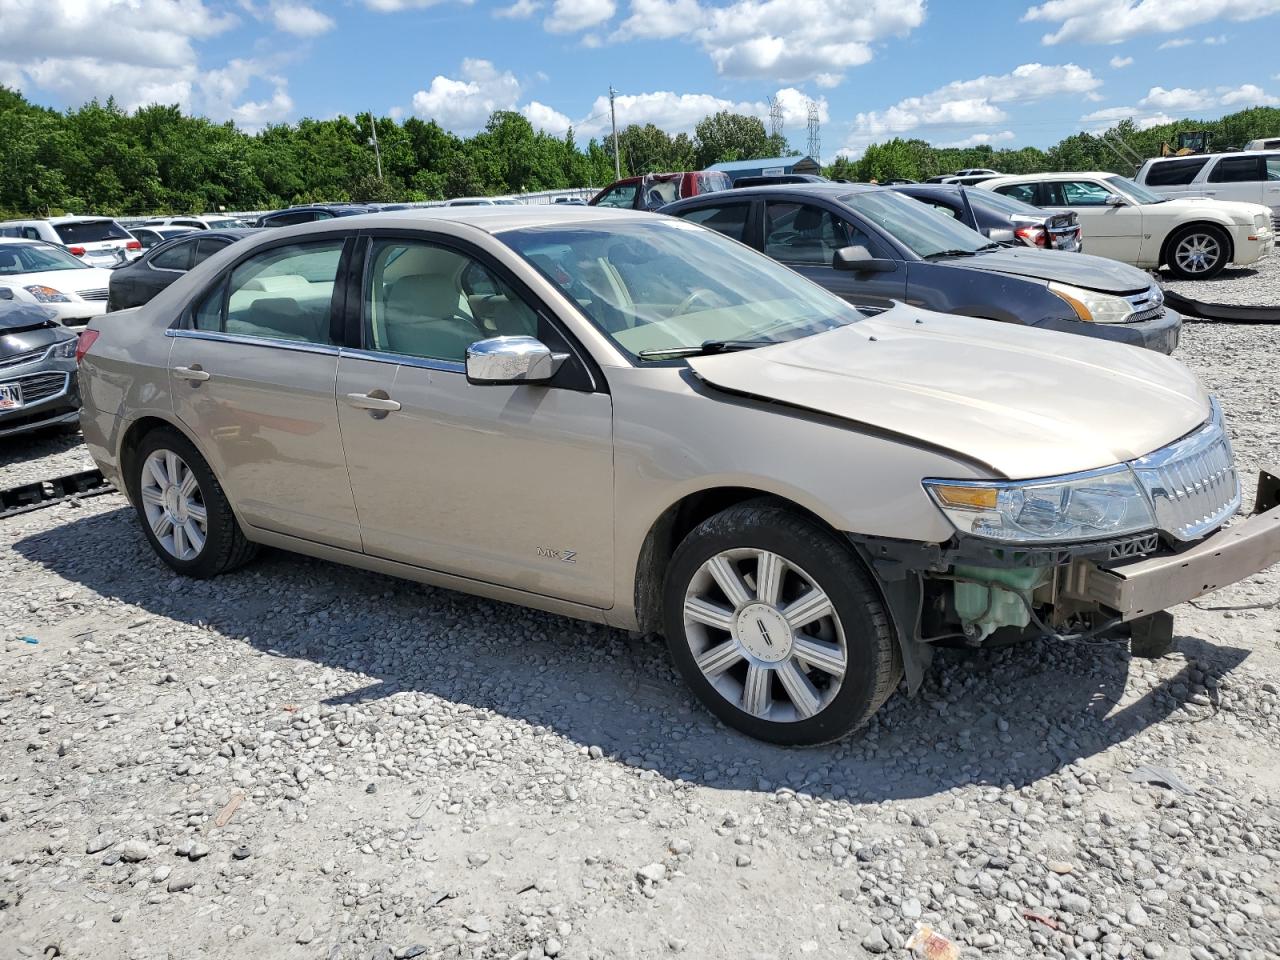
column 726, row 136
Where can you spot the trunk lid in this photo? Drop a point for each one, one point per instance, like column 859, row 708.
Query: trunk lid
column 1028, row 403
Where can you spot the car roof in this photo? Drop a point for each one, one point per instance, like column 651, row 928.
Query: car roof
column 1034, row 177
column 491, row 219
column 27, row 240
column 90, row 219
column 953, row 189
column 832, row 191
column 235, row 233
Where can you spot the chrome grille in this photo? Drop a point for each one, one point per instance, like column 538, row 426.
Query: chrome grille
column 18, row 359
column 1148, row 305
column 92, row 294
column 1192, row 483
column 41, row 386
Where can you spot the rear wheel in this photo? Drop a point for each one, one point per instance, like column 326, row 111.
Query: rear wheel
column 777, row 627
column 1198, row 252
column 184, row 513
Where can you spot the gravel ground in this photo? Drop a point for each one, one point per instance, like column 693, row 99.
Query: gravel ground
column 1257, row 285
column 301, row 760
column 40, row 456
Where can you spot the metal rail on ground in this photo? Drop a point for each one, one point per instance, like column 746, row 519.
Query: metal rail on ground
column 49, row 493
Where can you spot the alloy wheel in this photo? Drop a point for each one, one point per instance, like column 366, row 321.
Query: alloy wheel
column 765, row 635
column 1197, row 253
column 174, row 505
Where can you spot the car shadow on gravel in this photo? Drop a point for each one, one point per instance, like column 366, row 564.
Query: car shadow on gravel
column 1009, row 716
column 41, row 443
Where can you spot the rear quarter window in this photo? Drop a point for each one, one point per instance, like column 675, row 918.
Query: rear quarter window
column 1173, row 173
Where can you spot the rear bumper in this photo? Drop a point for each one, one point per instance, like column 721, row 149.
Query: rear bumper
column 1143, row 587
column 1160, row 334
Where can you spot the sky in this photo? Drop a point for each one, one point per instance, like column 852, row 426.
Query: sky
column 954, row 72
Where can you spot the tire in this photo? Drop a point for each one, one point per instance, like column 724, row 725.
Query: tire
column 1214, row 254
column 224, row 546
column 760, row 679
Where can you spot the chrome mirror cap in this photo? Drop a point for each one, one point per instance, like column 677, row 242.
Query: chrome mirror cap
column 500, row 360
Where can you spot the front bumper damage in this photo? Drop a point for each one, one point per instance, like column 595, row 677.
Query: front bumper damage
column 931, row 590
column 1141, row 587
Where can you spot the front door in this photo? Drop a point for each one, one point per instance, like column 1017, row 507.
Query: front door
column 1110, row 230
column 806, row 237
column 253, row 375
column 505, row 484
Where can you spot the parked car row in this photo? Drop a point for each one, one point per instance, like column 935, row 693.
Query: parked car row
column 692, row 438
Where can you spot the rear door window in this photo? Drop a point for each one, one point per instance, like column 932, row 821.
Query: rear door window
column 207, row 247
column 623, row 195
column 91, row 231
column 175, row 257
column 731, row 219
column 1175, row 173
column 282, row 293
column 1026, row 192
column 1238, row 170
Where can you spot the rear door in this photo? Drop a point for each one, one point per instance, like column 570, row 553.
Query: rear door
column 140, row 282
column 806, row 236
column 1237, row 177
column 253, row 372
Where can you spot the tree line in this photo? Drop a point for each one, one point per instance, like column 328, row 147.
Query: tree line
column 100, row 158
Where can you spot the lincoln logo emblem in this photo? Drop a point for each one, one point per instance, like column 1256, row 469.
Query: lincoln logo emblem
column 764, row 632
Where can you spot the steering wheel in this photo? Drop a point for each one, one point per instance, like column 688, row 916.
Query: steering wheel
column 688, row 301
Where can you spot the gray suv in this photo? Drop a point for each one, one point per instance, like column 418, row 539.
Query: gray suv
column 875, row 247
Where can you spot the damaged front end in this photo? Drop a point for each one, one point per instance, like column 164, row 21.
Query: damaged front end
column 977, row 592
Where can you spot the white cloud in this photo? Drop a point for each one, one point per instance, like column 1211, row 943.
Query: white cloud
column 1111, row 21
column 1217, row 41
column 1176, row 43
column 570, row 16
column 660, row 19
column 1247, row 95
column 979, row 139
column 395, row 6
column 1101, row 120
column 300, row 20
column 1179, row 98
column 973, row 102
column 465, row 104
column 1119, row 63
column 546, row 119
column 219, row 90
column 520, row 10
column 680, row 112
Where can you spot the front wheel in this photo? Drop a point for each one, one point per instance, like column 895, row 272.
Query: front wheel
column 184, row 513
column 777, row 627
column 1198, row 253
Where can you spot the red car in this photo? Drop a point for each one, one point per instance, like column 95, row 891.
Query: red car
column 655, row 190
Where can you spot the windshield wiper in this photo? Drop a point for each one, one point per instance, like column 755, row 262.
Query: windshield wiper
column 706, row 348
column 950, row 253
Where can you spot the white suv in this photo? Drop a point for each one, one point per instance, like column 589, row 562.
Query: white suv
column 1253, row 177
column 203, row 222
column 98, row 241
column 1196, row 237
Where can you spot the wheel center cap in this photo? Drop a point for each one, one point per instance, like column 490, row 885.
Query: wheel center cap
column 174, row 505
column 764, row 632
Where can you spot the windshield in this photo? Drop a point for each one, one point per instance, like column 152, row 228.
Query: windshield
column 924, row 231
column 90, row 231
column 17, row 258
column 660, row 284
column 1000, row 204
column 1127, row 188
column 222, row 223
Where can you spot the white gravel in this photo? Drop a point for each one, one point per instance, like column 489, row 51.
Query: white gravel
column 1257, row 285
column 28, row 457
column 301, row 760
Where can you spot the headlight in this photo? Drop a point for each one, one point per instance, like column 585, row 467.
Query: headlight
column 1086, row 506
column 1261, row 223
column 48, row 294
column 1091, row 306
column 65, row 350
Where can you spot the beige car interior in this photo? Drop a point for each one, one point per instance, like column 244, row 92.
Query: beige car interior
column 428, row 301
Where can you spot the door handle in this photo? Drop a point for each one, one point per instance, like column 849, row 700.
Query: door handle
column 367, row 401
column 194, row 374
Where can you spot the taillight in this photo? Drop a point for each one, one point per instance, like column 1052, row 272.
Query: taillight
column 133, row 245
column 76, row 251
column 1032, row 236
column 87, row 337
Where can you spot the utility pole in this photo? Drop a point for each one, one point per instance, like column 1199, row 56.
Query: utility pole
column 613, row 118
column 377, row 154
column 815, row 137
column 775, row 117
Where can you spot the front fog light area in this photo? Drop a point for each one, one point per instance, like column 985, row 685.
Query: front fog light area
column 1063, row 509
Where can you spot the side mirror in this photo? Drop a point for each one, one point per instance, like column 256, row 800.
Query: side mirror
column 1115, row 200
column 858, row 259
column 508, row 360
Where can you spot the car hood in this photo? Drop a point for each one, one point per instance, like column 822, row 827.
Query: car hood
column 1024, row 402
column 1237, row 210
column 65, row 281
column 16, row 317
column 1078, row 269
